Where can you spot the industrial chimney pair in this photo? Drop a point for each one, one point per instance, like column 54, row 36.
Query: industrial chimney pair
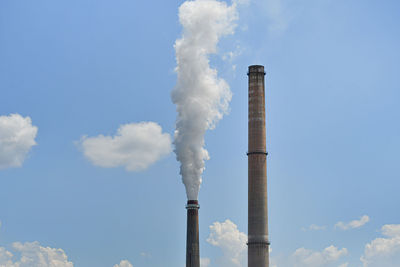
column 258, row 242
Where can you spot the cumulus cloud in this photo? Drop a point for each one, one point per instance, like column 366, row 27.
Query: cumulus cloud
column 353, row 224
column 135, row 146
column 123, row 263
column 204, row 262
column 384, row 251
column 232, row 242
column 32, row 254
column 17, row 136
column 5, row 257
column 303, row 257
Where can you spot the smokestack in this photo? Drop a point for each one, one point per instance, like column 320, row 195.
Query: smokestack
column 192, row 236
column 258, row 244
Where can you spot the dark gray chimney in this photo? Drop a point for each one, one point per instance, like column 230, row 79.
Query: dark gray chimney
column 192, row 236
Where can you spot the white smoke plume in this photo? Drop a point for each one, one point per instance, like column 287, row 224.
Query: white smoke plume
column 201, row 98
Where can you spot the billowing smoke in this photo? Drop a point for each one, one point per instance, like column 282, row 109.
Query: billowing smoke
column 201, row 98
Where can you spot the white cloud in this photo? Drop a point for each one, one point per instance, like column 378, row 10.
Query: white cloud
column 309, row 258
column 17, row 136
column 231, row 241
column 123, row 263
column 32, row 254
column 302, row 257
column 384, row 251
column 135, row 146
column 346, row 264
column 5, row 257
column 204, row 262
column 314, row 227
column 317, row 227
column 353, row 224
column 145, row 254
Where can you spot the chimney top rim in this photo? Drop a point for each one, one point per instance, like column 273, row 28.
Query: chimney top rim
column 256, row 66
column 256, row 69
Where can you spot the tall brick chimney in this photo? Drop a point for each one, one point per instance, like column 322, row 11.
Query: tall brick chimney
column 258, row 243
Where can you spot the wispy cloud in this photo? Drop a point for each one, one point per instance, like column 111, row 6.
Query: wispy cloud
column 314, row 227
column 353, row 224
column 145, row 254
column 303, row 257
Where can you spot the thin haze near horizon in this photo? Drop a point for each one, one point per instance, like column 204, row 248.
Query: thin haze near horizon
column 87, row 127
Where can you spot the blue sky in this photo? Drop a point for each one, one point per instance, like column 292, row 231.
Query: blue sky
column 85, row 68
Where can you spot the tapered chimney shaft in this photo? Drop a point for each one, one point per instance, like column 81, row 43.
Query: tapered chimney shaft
column 192, row 236
column 258, row 243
